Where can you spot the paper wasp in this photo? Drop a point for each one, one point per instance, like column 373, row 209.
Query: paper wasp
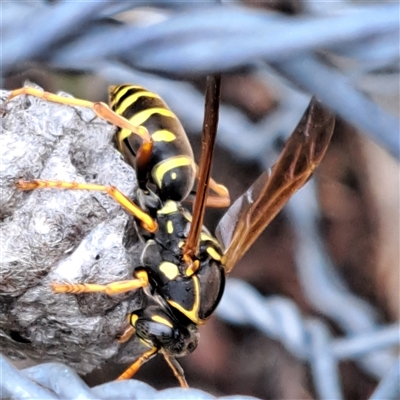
column 183, row 266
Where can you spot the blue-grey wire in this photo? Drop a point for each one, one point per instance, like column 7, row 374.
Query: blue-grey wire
column 308, row 339
column 57, row 381
column 218, row 38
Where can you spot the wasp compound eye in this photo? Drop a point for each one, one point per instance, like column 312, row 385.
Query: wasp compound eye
column 157, row 333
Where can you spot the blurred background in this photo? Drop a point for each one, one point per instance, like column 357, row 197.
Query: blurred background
column 331, row 256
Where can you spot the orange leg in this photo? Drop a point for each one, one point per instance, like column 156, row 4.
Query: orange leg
column 102, row 110
column 211, row 201
column 177, row 370
column 222, row 200
column 137, row 364
column 111, row 289
column 148, row 223
column 126, row 335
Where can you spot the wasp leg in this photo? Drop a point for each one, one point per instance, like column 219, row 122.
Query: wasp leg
column 137, row 364
column 102, row 110
column 211, row 201
column 126, row 335
column 148, row 223
column 111, row 289
column 177, row 370
column 222, row 200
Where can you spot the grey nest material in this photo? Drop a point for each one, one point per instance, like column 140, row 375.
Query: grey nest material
column 63, row 236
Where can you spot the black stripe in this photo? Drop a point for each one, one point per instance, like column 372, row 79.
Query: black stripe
column 141, row 104
column 128, row 93
column 158, row 121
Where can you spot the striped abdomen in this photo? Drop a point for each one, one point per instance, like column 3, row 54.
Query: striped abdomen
column 171, row 167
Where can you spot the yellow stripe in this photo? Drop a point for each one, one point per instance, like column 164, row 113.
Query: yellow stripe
column 117, row 92
column 163, row 167
column 192, row 268
column 213, row 254
column 133, row 319
column 204, row 237
column 169, row 208
column 170, row 227
column 141, row 117
column 163, row 135
column 132, row 99
column 192, row 314
column 161, row 320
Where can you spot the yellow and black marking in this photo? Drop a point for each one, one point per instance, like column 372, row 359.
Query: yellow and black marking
column 169, row 207
column 133, row 318
column 171, row 167
column 193, row 290
column 188, row 305
column 156, row 327
column 162, row 320
column 170, row 227
column 169, row 270
column 206, row 237
column 196, row 295
column 213, row 254
column 192, row 268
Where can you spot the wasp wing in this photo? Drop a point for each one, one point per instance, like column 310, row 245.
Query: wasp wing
column 257, row 207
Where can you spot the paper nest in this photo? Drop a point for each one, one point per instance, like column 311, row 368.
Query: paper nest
column 62, row 236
